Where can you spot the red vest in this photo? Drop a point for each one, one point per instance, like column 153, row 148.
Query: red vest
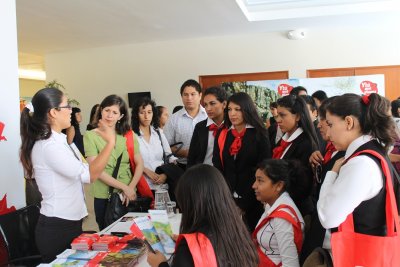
column 298, row 234
column 201, row 249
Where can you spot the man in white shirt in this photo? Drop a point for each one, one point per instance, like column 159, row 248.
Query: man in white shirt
column 180, row 126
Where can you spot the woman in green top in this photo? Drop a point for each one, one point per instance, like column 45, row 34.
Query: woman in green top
column 113, row 111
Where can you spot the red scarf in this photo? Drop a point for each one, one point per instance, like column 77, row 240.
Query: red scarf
column 214, row 128
column 278, row 151
column 330, row 148
column 237, row 143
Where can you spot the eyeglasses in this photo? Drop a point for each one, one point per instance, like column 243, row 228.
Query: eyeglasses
column 67, row 107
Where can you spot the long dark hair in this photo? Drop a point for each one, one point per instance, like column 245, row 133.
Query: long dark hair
column 122, row 126
column 35, row 125
column 372, row 115
column 207, row 206
column 297, row 105
column 291, row 172
column 249, row 111
column 74, row 122
column 141, row 103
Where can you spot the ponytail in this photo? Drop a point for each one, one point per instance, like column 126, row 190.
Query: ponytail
column 371, row 111
column 34, row 124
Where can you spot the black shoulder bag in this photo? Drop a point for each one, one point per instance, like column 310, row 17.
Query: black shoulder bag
column 115, row 209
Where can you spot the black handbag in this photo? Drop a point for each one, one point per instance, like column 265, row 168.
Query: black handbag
column 116, row 209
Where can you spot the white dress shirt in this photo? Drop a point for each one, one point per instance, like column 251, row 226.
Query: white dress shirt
column 210, row 144
column 358, row 180
column 152, row 152
column 276, row 238
column 180, row 127
column 59, row 173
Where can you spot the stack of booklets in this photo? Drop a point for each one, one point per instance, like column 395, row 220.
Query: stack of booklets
column 71, row 257
column 105, row 242
column 84, row 241
column 127, row 256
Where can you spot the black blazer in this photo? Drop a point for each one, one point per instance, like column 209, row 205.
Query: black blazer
column 301, row 150
column 198, row 144
column 240, row 172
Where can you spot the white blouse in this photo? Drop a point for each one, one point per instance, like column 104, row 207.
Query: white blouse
column 276, row 238
column 59, row 172
column 152, row 152
column 359, row 179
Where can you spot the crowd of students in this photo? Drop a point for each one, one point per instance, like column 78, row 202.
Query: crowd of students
column 250, row 195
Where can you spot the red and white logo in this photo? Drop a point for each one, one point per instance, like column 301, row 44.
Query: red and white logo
column 284, row 89
column 368, row 87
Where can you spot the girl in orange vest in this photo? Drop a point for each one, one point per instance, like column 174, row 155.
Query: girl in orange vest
column 212, row 232
column 279, row 233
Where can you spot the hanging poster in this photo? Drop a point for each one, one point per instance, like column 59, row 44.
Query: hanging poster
column 265, row 92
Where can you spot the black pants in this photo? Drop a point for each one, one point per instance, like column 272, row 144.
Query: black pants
column 54, row 235
column 100, row 206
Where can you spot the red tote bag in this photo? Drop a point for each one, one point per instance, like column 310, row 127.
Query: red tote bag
column 351, row 249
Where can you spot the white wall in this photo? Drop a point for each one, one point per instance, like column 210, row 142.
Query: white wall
column 161, row 67
column 11, row 174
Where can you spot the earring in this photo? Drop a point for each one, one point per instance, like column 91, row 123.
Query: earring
column 118, row 122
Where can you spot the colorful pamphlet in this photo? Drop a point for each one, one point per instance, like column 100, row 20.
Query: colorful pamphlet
column 149, row 232
column 160, row 220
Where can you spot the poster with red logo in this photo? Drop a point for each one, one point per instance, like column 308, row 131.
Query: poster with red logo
column 368, row 87
column 265, row 92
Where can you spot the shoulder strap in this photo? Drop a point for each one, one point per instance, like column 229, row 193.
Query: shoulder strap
column 392, row 214
column 115, row 173
column 201, row 249
column 142, row 186
column 221, row 143
column 162, row 146
column 294, row 221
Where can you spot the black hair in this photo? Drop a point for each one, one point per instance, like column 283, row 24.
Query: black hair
column 310, row 101
column 395, row 108
column 324, row 105
column 208, row 207
column 34, row 125
column 320, row 95
column 191, row 83
column 74, row 122
column 142, row 103
column 297, row 105
column 122, row 126
column 160, row 110
column 249, row 111
column 291, row 172
column 296, row 90
column 372, row 116
column 218, row 92
column 176, row 109
column 273, row 105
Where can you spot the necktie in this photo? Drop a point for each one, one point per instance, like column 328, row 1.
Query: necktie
column 278, row 151
column 237, row 143
column 214, row 128
column 330, row 148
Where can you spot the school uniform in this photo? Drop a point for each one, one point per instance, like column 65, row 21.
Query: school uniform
column 202, row 143
column 239, row 170
column 300, row 149
column 363, row 194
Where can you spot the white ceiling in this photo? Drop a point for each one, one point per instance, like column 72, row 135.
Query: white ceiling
column 48, row 26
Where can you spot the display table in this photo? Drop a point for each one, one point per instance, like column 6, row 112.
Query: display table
column 124, row 223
